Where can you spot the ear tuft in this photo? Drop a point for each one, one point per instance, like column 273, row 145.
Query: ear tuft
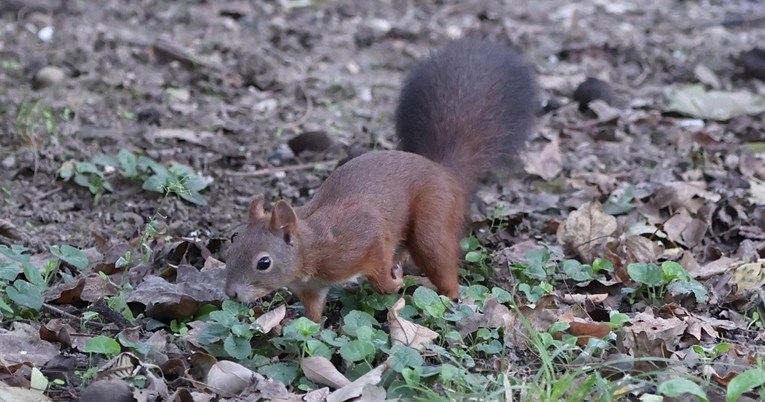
column 256, row 208
column 284, row 221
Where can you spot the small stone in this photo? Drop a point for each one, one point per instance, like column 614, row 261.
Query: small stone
column 49, row 76
column 592, row 89
column 8, row 162
column 315, row 141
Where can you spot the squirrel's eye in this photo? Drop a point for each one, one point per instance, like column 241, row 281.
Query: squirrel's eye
column 264, row 263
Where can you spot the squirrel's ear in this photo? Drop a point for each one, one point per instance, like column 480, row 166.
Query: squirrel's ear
column 256, row 208
column 284, row 220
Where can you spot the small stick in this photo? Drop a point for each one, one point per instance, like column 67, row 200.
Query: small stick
column 290, row 168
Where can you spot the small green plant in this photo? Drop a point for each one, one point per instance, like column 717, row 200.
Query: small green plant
column 536, row 275
column 22, row 283
column 479, row 259
column 155, row 177
column 654, row 282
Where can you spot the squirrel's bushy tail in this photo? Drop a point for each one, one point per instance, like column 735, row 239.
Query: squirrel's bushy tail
column 469, row 106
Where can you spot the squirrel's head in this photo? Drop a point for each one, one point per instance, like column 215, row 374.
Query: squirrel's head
column 265, row 257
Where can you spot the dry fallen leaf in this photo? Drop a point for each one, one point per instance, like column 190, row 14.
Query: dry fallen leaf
column 406, row 332
column 321, row 371
column 494, row 315
column 270, row 319
column 22, row 344
column 587, row 229
column 750, row 275
column 229, row 376
column 356, row 388
column 694, row 100
column 547, row 163
column 716, row 267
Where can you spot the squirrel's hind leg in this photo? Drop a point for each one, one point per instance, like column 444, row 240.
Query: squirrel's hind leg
column 385, row 275
column 434, row 241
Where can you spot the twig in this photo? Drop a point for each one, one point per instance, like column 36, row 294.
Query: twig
column 53, row 309
column 290, row 168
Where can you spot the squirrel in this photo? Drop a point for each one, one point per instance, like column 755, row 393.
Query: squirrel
column 463, row 112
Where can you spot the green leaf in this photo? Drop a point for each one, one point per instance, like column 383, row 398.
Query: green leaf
column 34, row 276
column 403, row 357
column 211, row 333
column 224, row 317
column 9, row 271
column 301, row 329
column 645, row 273
column 502, row 295
column 237, row 347
column 357, row 350
column 428, row 300
column 234, row 308
column 476, row 292
column 681, row 288
column 102, row 344
column 449, row 372
column 128, row 163
column 241, row 330
column 577, row 271
column 5, row 306
column 155, row 183
column 679, row 386
column 282, row 372
column 491, row 348
column 315, row 347
column 619, row 319
column 602, row 264
column 745, row 382
column 411, row 376
column 357, row 319
column 474, row 256
column 673, row 270
column 70, row 255
column 25, row 294
column 193, row 197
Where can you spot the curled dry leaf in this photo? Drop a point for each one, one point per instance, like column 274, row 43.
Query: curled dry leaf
column 586, row 230
column 229, row 377
column 321, row 371
column 119, row 367
column 17, row 394
column 406, row 332
column 356, row 388
column 270, row 319
column 579, row 298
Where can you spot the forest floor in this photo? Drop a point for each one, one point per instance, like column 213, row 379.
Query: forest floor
column 624, row 258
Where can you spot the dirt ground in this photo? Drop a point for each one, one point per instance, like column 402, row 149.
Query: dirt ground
column 346, row 58
column 223, row 86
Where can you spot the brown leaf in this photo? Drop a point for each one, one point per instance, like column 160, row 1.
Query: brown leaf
column 356, row 388
column 494, row 315
column 229, row 376
column 716, row 267
column 89, row 288
column 321, row 371
column 750, row 276
column 192, row 289
column 547, row 163
column 584, row 331
column 406, row 332
column 586, row 230
column 271, row 319
column 9, row 230
column 22, row 344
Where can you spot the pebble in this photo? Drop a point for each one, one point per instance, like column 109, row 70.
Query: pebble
column 8, row 162
column 49, row 76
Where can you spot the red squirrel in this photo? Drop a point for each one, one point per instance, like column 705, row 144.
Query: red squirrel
column 463, row 112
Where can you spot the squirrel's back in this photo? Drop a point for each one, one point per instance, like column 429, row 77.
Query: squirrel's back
column 469, row 106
